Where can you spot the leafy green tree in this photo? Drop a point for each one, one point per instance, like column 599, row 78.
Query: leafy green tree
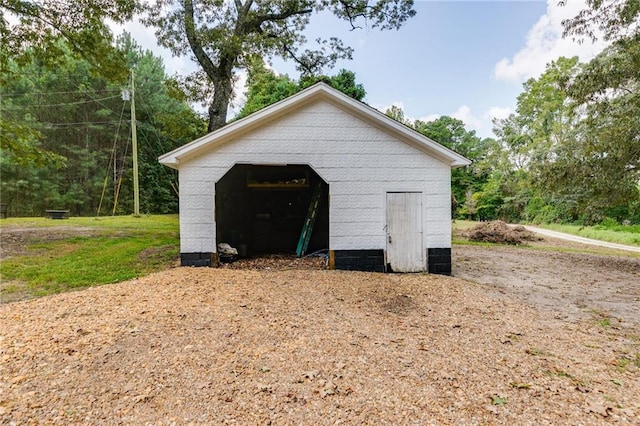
column 451, row 133
column 266, row 88
column 545, row 122
column 617, row 19
column 545, row 116
column 344, row 81
column 606, row 162
column 397, row 114
column 488, row 201
column 226, row 36
column 163, row 124
column 82, row 119
column 31, row 29
column 579, row 154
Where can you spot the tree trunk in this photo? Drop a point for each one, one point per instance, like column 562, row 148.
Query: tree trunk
column 220, row 74
column 220, row 104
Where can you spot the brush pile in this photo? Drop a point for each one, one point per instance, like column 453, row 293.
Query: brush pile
column 499, row 232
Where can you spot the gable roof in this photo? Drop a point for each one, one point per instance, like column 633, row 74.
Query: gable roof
column 319, row 91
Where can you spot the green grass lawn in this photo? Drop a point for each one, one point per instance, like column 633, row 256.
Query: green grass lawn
column 109, row 249
column 463, row 225
column 167, row 222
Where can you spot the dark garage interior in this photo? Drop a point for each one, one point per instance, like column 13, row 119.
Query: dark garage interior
column 263, row 209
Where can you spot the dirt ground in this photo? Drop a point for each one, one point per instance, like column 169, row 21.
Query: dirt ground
column 572, row 285
column 540, row 337
column 13, row 239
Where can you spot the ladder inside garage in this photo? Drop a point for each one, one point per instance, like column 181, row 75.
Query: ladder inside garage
column 310, row 220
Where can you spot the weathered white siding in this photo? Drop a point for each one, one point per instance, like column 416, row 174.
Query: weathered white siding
column 360, row 162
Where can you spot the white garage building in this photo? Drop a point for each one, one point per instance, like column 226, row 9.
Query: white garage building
column 318, row 170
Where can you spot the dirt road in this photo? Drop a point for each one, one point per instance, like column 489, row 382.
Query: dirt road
column 583, row 240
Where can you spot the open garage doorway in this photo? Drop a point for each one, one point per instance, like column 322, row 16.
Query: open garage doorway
column 263, row 209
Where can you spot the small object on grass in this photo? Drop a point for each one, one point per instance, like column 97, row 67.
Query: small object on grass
column 57, row 214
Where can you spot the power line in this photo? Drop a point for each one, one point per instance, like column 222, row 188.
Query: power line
column 82, row 123
column 107, row 106
column 60, row 93
column 78, row 102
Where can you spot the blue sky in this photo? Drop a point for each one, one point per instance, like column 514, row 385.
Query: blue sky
column 467, row 59
column 442, row 59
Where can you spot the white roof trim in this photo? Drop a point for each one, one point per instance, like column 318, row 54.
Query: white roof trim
column 317, row 91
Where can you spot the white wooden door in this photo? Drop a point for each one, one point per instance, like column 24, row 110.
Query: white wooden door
column 404, row 232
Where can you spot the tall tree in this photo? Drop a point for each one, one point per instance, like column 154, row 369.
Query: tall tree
column 452, row 133
column 544, row 123
column 607, row 160
column 344, row 81
column 224, row 36
column 82, row 118
column 265, row 87
column 545, row 115
column 580, row 157
column 32, row 30
column 397, row 114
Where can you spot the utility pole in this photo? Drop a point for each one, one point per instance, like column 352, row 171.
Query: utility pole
column 134, row 143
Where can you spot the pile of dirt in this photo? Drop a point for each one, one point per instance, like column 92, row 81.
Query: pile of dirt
column 499, row 232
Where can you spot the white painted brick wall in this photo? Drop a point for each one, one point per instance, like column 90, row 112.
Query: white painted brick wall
column 359, row 161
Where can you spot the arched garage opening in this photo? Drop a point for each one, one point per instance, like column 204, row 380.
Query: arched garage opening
column 262, row 209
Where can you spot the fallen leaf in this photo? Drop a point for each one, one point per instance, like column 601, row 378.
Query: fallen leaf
column 599, row 408
column 520, row 385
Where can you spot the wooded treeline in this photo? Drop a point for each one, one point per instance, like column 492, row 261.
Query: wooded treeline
column 559, row 157
column 569, row 153
column 82, row 125
column 553, row 160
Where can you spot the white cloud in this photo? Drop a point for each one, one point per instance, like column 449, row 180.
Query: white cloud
column 146, row 38
column 482, row 123
column 497, row 112
column 239, row 92
column 430, row 117
column 545, row 44
column 470, row 120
